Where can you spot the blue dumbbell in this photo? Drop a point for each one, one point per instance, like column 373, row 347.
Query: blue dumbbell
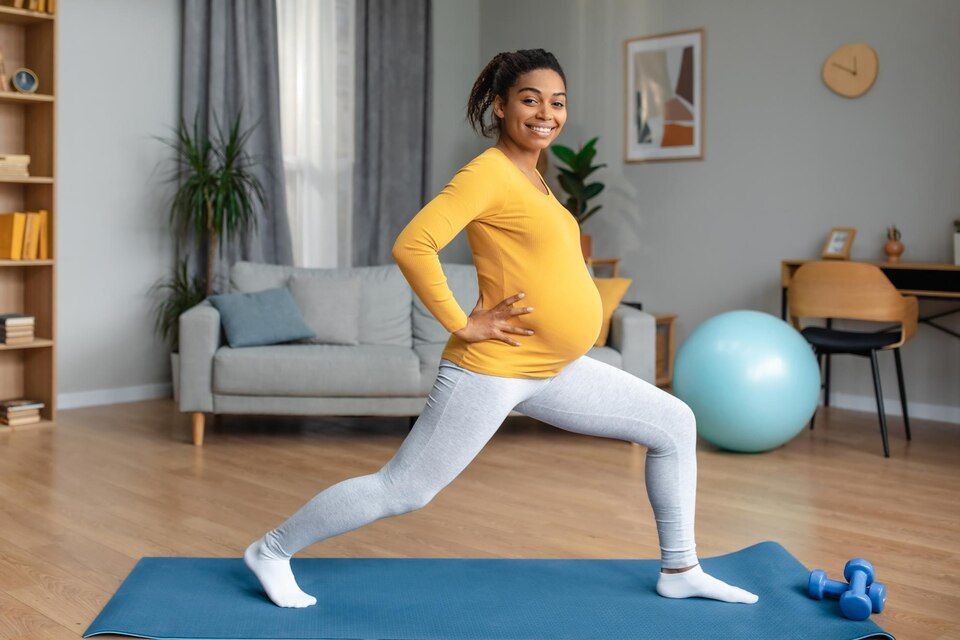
column 858, row 598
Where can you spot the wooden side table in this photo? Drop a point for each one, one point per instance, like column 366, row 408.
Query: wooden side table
column 666, row 347
column 612, row 263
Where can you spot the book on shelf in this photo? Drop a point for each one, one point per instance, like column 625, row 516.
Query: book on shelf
column 9, row 320
column 20, row 404
column 20, row 415
column 44, row 250
column 16, row 331
column 16, row 323
column 26, row 416
column 11, row 235
column 24, row 235
column 19, row 422
column 15, row 164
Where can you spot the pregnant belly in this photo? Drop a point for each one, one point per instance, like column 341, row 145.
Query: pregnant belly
column 566, row 321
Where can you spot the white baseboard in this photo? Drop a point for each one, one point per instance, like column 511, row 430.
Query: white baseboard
column 921, row 410
column 113, row 396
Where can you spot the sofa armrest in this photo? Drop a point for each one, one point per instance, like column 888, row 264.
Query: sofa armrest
column 199, row 341
column 634, row 334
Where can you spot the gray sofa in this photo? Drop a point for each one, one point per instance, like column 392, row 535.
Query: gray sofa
column 389, row 373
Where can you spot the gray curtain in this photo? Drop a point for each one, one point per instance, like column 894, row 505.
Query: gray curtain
column 392, row 125
column 230, row 65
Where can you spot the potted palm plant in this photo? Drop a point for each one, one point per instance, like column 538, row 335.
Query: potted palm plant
column 573, row 180
column 215, row 198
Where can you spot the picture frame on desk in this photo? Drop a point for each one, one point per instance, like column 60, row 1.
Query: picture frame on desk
column 838, row 244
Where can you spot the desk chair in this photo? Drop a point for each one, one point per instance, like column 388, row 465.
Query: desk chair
column 854, row 291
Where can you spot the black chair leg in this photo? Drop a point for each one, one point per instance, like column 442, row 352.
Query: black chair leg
column 903, row 393
column 877, row 390
column 826, row 387
column 813, row 418
column 826, row 377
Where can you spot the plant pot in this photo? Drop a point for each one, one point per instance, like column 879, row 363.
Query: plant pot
column 175, row 370
column 956, row 249
column 586, row 245
column 893, row 249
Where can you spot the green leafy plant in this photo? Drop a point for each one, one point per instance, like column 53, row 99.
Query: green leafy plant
column 182, row 292
column 573, row 178
column 217, row 186
column 956, row 226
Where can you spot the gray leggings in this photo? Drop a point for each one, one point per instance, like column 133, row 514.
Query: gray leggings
column 464, row 410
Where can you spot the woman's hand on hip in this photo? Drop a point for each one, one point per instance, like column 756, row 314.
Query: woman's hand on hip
column 493, row 324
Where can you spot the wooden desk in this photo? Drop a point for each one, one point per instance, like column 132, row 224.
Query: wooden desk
column 923, row 280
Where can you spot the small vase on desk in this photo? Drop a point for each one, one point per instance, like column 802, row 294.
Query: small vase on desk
column 893, row 249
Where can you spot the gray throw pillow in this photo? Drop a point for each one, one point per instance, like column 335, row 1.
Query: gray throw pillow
column 331, row 306
column 265, row 317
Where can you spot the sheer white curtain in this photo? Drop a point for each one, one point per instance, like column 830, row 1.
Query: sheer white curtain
column 316, row 42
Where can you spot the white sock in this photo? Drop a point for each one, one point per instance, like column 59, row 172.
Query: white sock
column 276, row 576
column 697, row 584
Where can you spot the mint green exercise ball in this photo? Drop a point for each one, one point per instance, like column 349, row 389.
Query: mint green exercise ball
column 750, row 378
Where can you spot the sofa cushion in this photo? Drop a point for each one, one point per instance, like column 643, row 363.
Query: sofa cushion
column 611, row 291
column 385, row 297
column 265, row 317
column 331, row 306
column 317, row 370
column 462, row 280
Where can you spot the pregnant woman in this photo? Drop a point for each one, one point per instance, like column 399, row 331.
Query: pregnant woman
column 522, row 347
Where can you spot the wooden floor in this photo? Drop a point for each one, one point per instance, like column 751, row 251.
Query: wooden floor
column 82, row 502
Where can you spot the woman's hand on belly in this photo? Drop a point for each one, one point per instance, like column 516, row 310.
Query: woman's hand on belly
column 493, row 324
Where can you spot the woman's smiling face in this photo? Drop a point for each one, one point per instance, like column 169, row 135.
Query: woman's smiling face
column 535, row 111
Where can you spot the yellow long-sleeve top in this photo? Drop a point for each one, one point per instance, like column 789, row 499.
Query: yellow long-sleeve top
column 522, row 240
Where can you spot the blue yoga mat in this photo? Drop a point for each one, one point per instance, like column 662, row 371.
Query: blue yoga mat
column 433, row 599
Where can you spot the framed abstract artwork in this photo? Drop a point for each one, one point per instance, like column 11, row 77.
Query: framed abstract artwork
column 664, row 97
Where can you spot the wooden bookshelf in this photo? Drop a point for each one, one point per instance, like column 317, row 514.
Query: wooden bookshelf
column 27, row 126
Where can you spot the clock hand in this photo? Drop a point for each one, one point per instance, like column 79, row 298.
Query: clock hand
column 853, row 71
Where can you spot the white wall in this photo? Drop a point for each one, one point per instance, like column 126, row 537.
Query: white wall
column 456, row 64
column 785, row 159
column 118, row 85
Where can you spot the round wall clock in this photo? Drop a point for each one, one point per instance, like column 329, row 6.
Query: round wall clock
column 25, row 80
column 851, row 70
